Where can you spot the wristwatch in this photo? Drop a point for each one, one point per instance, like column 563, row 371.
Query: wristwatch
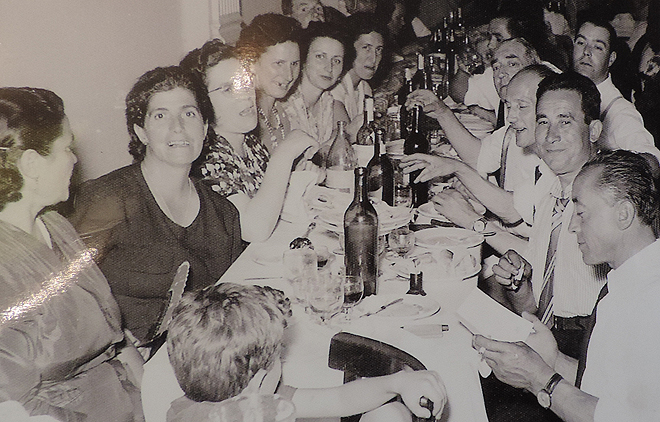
column 544, row 396
column 479, row 225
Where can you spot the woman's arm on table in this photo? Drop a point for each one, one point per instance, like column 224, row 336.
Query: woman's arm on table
column 367, row 394
column 260, row 213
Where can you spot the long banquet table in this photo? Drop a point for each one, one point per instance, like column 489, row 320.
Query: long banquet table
column 306, row 357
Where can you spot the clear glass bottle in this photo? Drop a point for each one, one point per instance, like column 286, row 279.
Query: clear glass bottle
column 416, row 142
column 364, row 140
column 361, row 236
column 341, row 161
column 380, row 172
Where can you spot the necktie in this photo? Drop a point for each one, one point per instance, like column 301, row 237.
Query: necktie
column 500, row 116
column 545, row 312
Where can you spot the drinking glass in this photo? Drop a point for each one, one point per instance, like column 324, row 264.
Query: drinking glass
column 401, row 241
column 326, row 294
column 353, row 293
column 403, row 196
column 301, row 267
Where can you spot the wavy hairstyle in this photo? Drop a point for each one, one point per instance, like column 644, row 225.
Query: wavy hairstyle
column 30, row 118
column 200, row 60
column 265, row 31
column 221, row 336
column 161, row 79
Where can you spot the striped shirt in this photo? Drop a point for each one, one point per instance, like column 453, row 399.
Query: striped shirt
column 576, row 284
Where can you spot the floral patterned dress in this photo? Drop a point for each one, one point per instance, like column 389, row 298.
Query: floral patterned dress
column 228, row 173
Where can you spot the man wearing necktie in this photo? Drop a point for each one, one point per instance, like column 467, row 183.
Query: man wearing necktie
column 615, row 222
column 561, row 289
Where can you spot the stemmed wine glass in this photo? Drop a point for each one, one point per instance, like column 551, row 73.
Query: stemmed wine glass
column 401, row 241
column 325, row 294
column 353, row 294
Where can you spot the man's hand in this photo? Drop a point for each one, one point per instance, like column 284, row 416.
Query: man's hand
column 415, row 385
column 432, row 105
column 541, row 340
column 432, row 166
column 453, row 205
column 514, row 363
column 512, row 270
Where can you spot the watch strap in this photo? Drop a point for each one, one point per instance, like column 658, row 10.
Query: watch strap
column 552, row 383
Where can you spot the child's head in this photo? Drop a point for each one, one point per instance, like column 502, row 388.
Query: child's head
column 220, row 337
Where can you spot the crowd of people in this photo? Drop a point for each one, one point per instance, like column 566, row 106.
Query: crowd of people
column 568, row 179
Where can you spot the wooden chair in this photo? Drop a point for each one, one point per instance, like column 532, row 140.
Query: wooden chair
column 361, row 357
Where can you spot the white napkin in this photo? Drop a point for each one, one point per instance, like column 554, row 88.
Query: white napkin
column 294, row 208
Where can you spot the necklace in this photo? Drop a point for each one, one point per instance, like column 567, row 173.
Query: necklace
column 271, row 129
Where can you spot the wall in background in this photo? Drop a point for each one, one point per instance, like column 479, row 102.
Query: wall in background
column 91, row 53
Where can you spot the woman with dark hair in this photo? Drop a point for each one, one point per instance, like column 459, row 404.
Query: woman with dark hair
column 236, row 162
column 366, row 43
column 62, row 349
column 270, row 46
column 311, row 107
column 147, row 218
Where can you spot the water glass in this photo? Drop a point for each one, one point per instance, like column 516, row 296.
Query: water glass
column 401, row 241
column 326, row 294
column 353, row 293
column 403, row 196
column 301, row 267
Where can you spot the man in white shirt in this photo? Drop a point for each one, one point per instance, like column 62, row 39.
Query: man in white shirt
column 615, row 220
column 561, row 289
column 623, row 126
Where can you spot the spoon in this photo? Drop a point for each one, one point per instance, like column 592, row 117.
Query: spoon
column 303, row 241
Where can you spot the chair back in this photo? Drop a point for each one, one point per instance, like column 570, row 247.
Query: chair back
column 363, row 357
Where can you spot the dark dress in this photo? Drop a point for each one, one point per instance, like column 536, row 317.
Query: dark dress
column 140, row 248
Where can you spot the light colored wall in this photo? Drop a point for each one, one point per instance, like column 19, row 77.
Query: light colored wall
column 90, row 52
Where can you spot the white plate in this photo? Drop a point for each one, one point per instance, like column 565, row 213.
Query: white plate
column 412, row 307
column 267, row 255
column 447, row 237
column 435, row 264
column 428, row 210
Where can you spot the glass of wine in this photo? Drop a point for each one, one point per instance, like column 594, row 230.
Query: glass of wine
column 353, row 294
column 401, row 241
column 325, row 294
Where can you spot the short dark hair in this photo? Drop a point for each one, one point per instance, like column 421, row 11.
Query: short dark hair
column 583, row 86
column 600, row 21
column 359, row 24
column 265, row 31
column 626, row 175
column 210, row 54
column 161, row 79
column 221, row 336
column 322, row 30
column 30, row 118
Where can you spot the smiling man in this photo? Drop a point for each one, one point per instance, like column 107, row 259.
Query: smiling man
column 616, row 212
column 623, row 126
column 304, row 11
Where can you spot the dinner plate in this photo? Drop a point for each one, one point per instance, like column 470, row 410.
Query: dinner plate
column 436, row 264
column 429, row 211
column 412, row 307
column 264, row 255
column 447, row 237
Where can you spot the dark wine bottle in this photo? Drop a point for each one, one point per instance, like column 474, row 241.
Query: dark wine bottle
column 421, row 79
column 416, row 142
column 380, row 172
column 361, row 235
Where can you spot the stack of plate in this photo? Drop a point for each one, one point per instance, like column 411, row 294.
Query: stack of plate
column 389, row 218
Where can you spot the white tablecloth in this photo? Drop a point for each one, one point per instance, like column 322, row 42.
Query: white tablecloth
column 305, row 358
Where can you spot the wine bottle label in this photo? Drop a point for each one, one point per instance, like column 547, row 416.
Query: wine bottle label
column 364, row 154
column 339, row 179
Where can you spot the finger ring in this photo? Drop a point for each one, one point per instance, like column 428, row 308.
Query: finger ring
column 423, row 401
column 482, row 350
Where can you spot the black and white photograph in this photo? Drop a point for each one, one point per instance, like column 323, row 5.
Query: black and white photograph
column 329, row 210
